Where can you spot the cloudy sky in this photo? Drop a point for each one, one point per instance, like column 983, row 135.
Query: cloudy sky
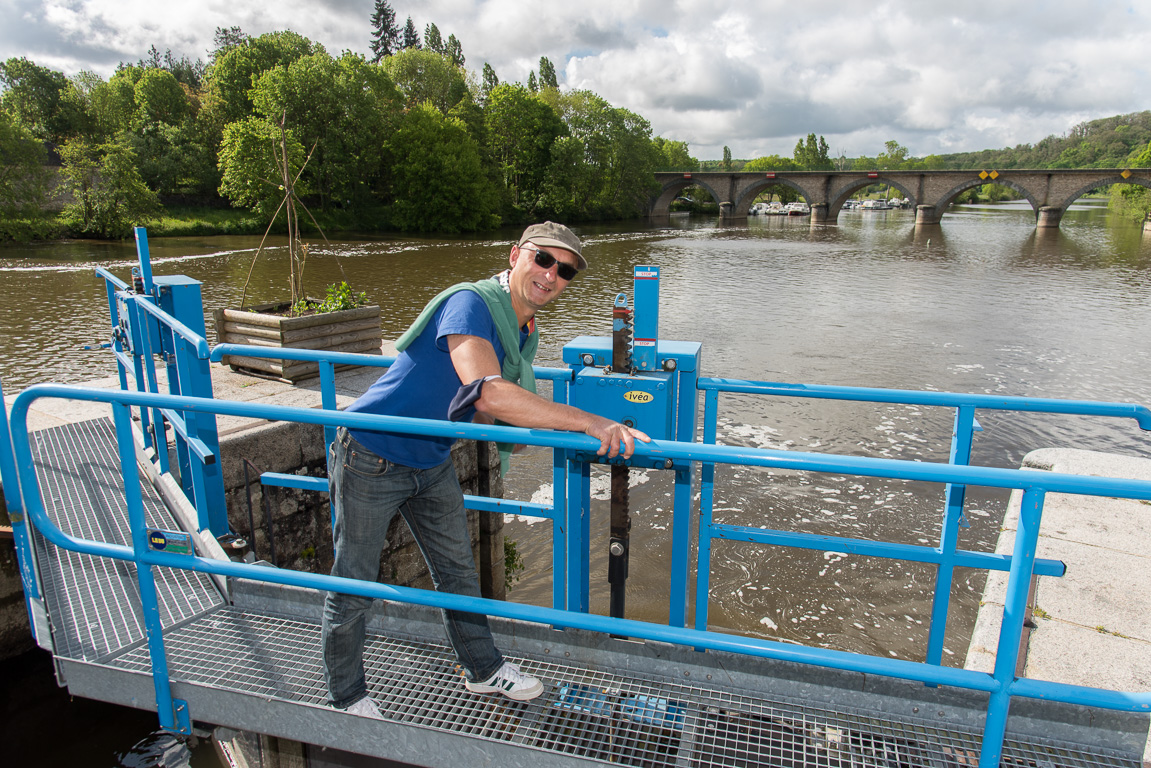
column 937, row 76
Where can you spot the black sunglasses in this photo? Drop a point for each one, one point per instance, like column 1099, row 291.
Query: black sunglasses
column 545, row 260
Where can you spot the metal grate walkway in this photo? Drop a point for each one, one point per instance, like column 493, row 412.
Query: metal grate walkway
column 259, row 669
column 94, row 602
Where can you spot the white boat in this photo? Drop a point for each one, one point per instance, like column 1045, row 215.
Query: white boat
column 798, row 209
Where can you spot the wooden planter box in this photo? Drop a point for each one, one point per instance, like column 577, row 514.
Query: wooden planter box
column 349, row 330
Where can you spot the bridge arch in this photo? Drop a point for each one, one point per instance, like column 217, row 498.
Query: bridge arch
column 743, row 205
column 1105, row 181
column 670, row 190
column 841, row 195
column 949, row 196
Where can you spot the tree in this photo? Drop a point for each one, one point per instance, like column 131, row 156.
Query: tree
column 726, row 158
column 438, row 181
column 547, row 74
column 432, row 40
column 385, row 33
column 533, row 86
column 521, row 130
column 159, row 99
column 23, row 181
column 250, row 177
column 674, row 155
column 422, row 75
column 454, row 51
column 1133, row 201
column 893, row 157
column 490, row 81
column 108, row 196
column 233, row 75
column 225, row 40
column 411, row 36
column 42, row 100
column 344, row 109
column 813, row 155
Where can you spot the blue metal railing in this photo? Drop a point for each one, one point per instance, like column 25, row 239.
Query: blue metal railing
column 155, row 318
column 946, row 557
column 1001, row 685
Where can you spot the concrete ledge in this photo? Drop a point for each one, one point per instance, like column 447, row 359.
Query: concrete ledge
column 1089, row 626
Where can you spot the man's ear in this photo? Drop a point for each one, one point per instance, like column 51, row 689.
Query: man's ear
column 514, row 255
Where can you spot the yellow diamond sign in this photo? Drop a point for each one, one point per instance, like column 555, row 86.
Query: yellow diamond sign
column 995, row 174
column 983, row 174
column 1126, row 174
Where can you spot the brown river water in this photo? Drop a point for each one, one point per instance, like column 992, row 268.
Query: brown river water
column 982, row 303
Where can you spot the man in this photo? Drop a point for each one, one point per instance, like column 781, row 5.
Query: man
column 461, row 358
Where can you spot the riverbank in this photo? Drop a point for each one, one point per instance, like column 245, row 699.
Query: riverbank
column 1089, row 626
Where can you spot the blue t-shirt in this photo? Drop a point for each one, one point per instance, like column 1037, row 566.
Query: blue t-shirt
column 423, row 381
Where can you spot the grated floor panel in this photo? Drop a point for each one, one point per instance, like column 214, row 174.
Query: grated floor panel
column 584, row 712
column 93, row 602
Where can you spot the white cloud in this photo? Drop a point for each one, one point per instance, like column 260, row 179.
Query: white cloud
column 754, row 75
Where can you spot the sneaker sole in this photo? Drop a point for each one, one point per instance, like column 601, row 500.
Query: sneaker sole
column 525, row 695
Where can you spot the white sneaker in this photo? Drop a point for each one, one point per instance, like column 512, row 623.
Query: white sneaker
column 509, row 681
column 365, row 707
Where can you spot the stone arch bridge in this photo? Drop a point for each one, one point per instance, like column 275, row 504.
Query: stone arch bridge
column 1050, row 192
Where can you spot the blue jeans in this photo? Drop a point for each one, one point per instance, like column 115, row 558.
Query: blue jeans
column 366, row 492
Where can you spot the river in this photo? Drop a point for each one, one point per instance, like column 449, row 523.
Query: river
column 982, row 303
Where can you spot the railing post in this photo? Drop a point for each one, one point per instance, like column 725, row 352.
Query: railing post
column 577, row 521
column 166, row 708
column 560, row 578
column 949, row 536
column 1011, row 630
column 706, row 503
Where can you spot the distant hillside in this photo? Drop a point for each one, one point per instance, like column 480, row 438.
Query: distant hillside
column 1106, row 143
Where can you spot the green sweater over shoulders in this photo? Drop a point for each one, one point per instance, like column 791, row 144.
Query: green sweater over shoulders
column 517, row 365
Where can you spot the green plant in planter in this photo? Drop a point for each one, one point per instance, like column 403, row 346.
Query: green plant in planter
column 339, row 297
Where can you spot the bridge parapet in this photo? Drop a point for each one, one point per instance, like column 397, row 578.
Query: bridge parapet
column 1048, row 191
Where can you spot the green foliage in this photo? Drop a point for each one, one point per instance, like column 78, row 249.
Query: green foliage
column 1133, row 201
column 812, row 155
column 454, row 51
column 42, row 100
column 159, row 99
column 339, row 297
column 490, row 81
column 426, row 76
column 411, row 36
column 771, row 163
column 385, row 32
column 438, row 179
column 521, row 129
column 673, row 155
column 232, row 76
column 108, row 197
column 432, row 40
column 547, row 73
column 249, row 174
column 513, row 563
column 893, row 157
column 345, row 109
column 23, row 182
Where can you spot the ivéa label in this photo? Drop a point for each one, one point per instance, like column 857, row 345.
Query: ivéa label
column 635, row 396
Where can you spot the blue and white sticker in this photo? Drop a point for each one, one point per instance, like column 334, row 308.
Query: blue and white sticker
column 176, row 542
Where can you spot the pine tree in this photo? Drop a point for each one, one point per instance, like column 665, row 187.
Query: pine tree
column 533, row 85
column 547, row 74
column 411, row 36
column 385, row 33
column 454, row 51
column 432, row 40
column 488, row 83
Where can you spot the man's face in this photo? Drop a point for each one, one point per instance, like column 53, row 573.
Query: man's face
column 532, row 284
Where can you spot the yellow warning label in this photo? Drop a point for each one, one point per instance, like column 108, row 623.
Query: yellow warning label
column 995, row 174
column 983, row 174
column 635, row 396
column 1126, row 174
